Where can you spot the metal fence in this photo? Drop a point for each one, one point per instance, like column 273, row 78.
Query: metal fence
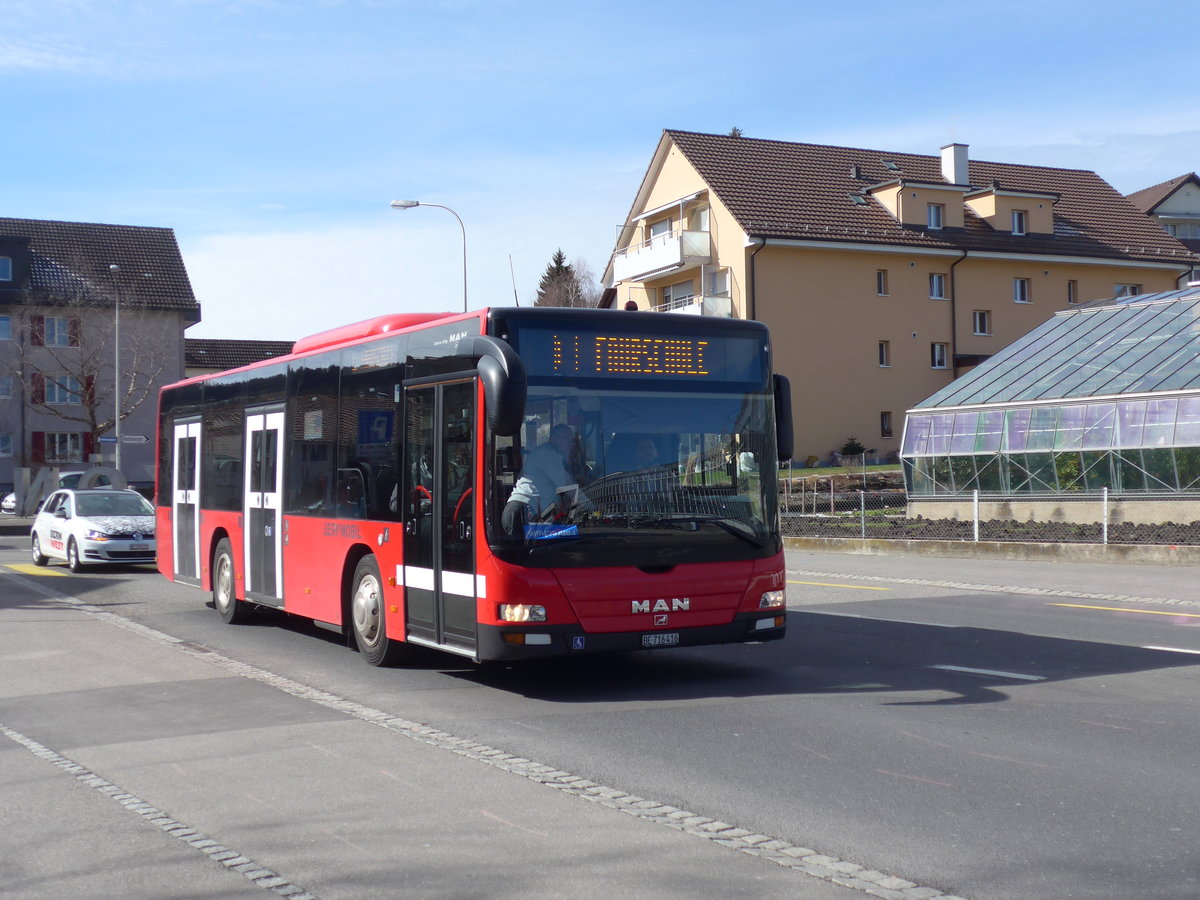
column 833, row 507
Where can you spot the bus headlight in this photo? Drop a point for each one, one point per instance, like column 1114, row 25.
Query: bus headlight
column 522, row 612
column 772, row 600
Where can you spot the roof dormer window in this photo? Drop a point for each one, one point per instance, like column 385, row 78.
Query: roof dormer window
column 1019, row 221
column 934, row 216
column 6, row 268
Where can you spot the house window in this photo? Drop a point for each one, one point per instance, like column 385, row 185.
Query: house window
column 983, row 321
column 57, row 331
column 660, row 229
column 1021, row 292
column 698, row 219
column 1018, row 221
column 933, row 215
column 6, row 387
column 937, row 286
column 62, row 389
column 881, row 282
column 64, row 446
column 5, row 328
column 885, row 424
column 5, row 268
column 6, row 446
column 718, row 283
column 676, row 295
column 1072, row 291
column 1126, row 290
column 937, row 356
column 885, row 354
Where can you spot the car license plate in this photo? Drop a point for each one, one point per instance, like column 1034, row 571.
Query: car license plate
column 667, row 639
column 139, row 546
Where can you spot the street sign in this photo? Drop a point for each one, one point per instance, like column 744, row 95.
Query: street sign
column 107, row 439
column 133, row 439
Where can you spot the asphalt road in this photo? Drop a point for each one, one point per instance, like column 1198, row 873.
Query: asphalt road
column 972, row 728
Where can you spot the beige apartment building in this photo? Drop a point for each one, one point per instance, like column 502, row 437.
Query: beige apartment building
column 881, row 275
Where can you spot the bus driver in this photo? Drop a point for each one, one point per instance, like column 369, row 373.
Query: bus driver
column 548, row 467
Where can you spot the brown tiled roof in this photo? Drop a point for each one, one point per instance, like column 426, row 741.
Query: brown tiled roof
column 778, row 189
column 211, row 353
column 1148, row 198
column 75, row 257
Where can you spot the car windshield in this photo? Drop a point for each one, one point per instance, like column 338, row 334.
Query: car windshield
column 114, row 504
column 689, row 471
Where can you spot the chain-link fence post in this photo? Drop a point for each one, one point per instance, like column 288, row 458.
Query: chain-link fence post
column 862, row 512
column 1104, row 516
column 975, row 513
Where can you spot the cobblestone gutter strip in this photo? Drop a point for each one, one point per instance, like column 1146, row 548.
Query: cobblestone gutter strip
column 765, row 847
column 999, row 589
column 259, row 876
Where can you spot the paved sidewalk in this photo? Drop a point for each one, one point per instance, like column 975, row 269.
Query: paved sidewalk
column 132, row 766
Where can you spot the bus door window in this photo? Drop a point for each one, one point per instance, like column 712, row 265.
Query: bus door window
column 185, row 501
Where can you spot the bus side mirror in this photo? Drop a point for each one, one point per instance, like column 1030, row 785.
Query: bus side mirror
column 784, row 439
column 504, row 385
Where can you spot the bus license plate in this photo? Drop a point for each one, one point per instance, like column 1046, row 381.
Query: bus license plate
column 668, row 639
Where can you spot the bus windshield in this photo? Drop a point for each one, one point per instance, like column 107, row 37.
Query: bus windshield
column 653, row 476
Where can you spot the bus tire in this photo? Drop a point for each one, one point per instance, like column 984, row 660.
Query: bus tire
column 224, row 586
column 368, row 618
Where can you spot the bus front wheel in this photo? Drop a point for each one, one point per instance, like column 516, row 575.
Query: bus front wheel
column 368, row 617
column 224, row 586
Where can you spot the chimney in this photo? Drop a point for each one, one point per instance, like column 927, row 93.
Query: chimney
column 954, row 164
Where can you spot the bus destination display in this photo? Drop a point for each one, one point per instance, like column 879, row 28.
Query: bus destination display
column 626, row 355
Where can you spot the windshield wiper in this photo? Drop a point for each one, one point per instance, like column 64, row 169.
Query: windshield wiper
column 734, row 526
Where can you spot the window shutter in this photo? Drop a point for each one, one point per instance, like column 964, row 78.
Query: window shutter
column 37, row 331
column 37, row 446
column 39, row 388
column 73, row 332
column 89, row 391
column 89, row 445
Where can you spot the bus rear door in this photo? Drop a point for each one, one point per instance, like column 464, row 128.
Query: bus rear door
column 439, row 516
column 264, row 483
column 185, row 502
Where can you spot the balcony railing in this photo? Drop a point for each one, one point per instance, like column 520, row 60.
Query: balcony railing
column 661, row 253
column 698, row 306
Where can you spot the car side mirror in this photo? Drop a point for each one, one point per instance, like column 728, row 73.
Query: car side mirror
column 60, row 513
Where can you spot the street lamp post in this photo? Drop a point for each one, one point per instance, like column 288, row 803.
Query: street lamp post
column 409, row 204
column 116, row 270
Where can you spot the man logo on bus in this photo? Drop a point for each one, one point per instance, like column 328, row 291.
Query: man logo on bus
column 675, row 604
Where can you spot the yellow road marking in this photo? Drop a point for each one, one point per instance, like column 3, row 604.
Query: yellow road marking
column 1144, row 612
column 857, row 587
column 31, row 569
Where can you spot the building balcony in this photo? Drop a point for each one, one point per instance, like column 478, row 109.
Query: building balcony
column 662, row 254
column 721, row 307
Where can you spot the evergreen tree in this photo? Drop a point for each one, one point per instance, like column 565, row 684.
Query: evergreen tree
column 561, row 285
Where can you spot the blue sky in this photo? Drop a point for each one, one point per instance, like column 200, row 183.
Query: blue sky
column 272, row 134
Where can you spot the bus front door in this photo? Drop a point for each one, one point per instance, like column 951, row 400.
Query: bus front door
column 185, row 502
column 264, row 483
column 439, row 516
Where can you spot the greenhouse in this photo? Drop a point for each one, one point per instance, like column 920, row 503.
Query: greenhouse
column 1101, row 399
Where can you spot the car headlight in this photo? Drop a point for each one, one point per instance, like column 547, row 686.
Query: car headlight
column 93, row 535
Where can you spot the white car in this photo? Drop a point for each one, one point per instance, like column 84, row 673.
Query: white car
column 8, row 506
column 99, row 525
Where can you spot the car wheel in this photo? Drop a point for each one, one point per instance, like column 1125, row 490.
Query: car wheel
column 74, row 563
column 224, row 586
column 39, row 558
column 368, row 617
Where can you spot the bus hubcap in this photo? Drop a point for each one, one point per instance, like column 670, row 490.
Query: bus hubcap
column 366, row 610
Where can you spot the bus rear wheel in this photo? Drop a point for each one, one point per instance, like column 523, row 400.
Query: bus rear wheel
column 224, row 586
column 367, row 615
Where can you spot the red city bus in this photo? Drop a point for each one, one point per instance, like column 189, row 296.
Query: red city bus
column 505, row 484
